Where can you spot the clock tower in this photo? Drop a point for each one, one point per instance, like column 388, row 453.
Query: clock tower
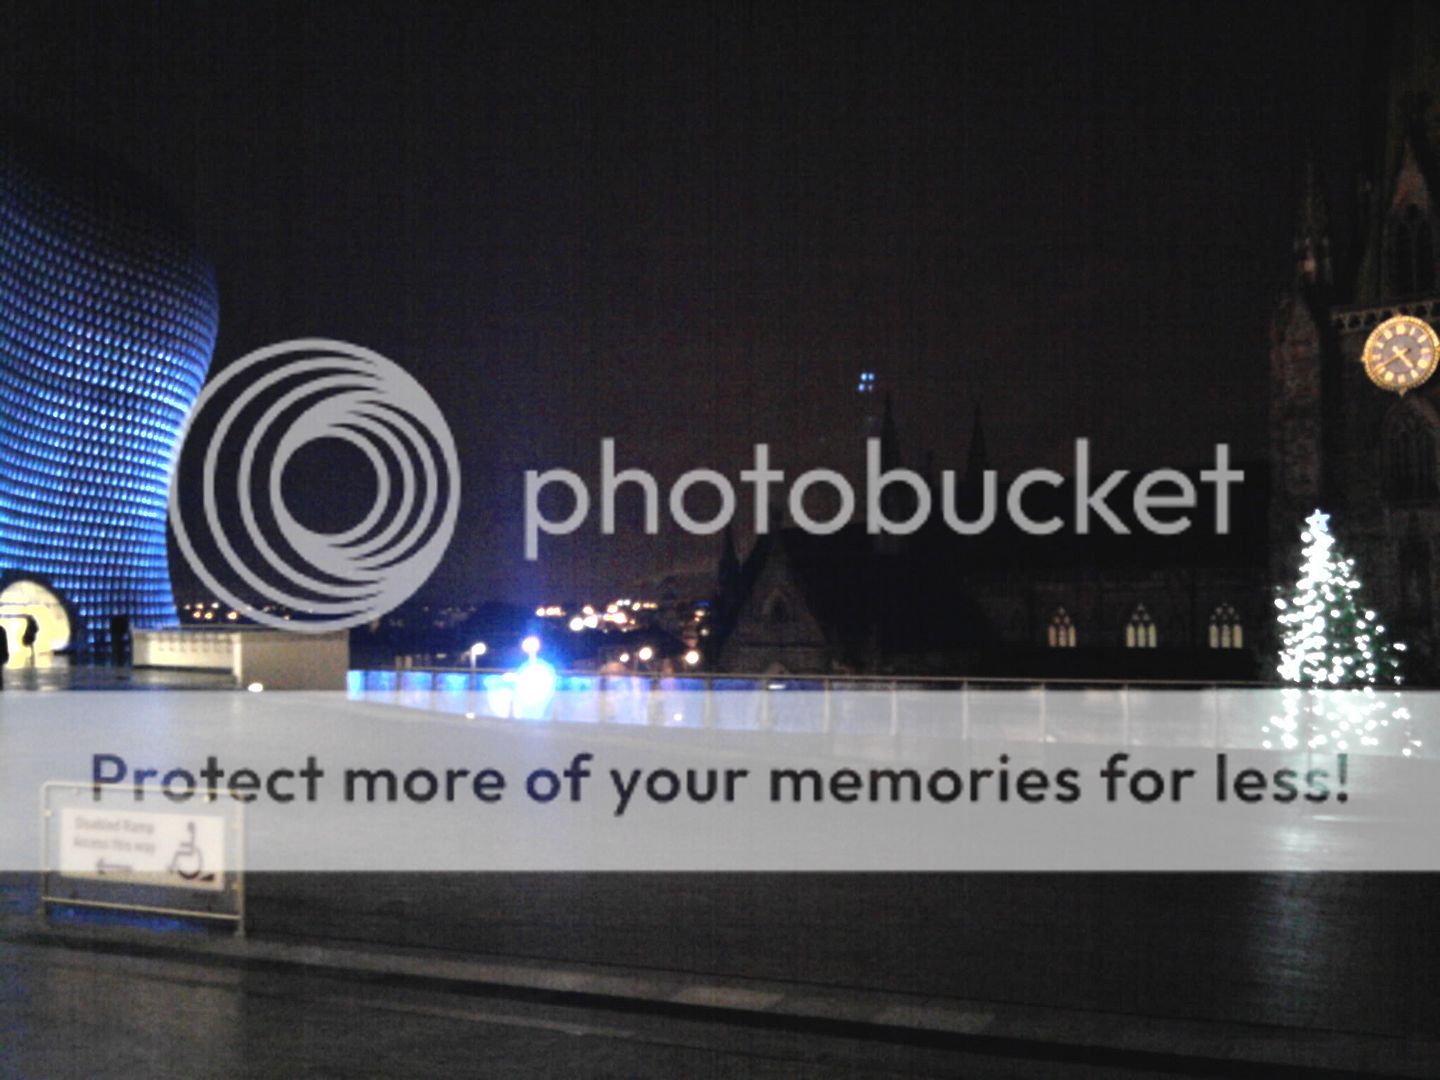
column 1354, row 412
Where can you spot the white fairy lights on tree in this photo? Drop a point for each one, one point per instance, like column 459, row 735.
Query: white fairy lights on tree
column 1335, row 646
column 1328, row 637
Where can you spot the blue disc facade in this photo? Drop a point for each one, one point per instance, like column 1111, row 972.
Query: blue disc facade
column 108, row 318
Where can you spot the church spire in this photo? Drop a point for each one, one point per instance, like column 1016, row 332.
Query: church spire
column 1402, row 179
column 889, row 438
column 727, row 593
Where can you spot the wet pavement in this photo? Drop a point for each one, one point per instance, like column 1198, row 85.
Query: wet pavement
column 67, row 1013
column 486, row 974
column 1353, row 952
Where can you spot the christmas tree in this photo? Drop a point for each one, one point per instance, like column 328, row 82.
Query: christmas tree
column 1328, row 636
column 1335, row 647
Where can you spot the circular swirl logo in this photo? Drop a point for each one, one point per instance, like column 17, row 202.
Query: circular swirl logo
column 262, row 412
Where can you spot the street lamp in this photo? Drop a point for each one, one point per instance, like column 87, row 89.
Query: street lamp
column 477, row 650
column 530, row 646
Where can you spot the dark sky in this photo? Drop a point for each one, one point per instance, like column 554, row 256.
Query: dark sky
column 690, row 227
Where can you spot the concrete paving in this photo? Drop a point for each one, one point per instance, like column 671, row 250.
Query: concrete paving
column 1321, row 952
column 938, row 1017
column 68, row 1012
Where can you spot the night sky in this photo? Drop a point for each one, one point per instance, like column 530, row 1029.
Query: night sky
column 690, row 228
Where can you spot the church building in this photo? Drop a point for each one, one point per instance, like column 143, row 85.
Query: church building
column 1354, row 429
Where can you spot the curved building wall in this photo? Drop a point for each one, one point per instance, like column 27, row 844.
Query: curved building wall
column 107, row 324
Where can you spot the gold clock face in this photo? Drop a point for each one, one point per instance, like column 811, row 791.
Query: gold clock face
column 1400, row 353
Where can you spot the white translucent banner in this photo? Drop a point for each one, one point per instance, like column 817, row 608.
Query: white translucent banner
column 641, row 776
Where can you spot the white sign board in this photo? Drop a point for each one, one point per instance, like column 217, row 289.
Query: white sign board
column 138, row 847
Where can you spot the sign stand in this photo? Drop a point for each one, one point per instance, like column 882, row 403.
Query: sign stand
column 101, row 849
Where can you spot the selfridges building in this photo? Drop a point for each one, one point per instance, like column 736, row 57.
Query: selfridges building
column 108, row 318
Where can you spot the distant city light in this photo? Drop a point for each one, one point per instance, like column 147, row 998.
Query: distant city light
column 692, row 657
column 577, row 624
column 530, row 646
column 624, row 657
column 645, row 654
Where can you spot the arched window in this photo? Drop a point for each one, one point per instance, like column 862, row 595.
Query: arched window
column 1225, row 629
column 1412, row 251
column 1140, row 631
column 1061, row 633
column 1415, row 586
column 1408, row 448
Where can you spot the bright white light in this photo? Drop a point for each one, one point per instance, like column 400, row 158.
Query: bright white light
column 645, row 654
column 534, row 687
column 479, row 649
column 692, row 657
column 624, row 657
column 577, row 624
column 255, row 687
column 530, row 646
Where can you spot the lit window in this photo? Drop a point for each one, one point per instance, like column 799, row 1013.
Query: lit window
column 1140, row 632
column 1061, row 633
column 1225, row 629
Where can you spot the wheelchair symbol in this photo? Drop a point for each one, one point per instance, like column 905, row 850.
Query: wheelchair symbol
column 189, row 862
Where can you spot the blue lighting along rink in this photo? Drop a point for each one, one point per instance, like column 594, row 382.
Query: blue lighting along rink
column 108, row 317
